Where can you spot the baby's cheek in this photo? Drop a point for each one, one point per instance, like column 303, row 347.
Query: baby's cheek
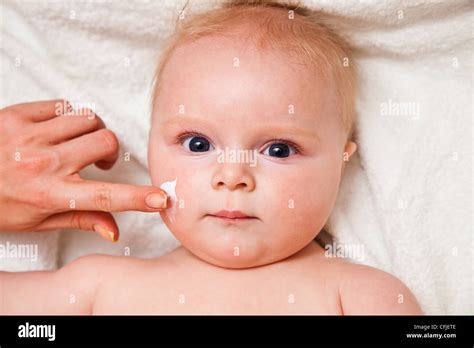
column 159, row 171
column 317, row 205
column 163, row 166
column 186, row 207
column 298, row 208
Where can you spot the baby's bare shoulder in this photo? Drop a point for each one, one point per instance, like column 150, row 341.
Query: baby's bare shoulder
column 99, row 268
column 69, row 290
column 367, row 290
column 99, row 264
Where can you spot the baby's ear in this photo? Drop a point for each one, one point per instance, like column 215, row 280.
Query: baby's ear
column 349, row 149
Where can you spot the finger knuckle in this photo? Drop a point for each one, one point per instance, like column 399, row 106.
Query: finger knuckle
column 38, row 162
column 78, row 220
column 137, row 199
column 109, row 139
column 25, row 138
column 87, row 123
column 102, row 199
column 94, row 122
column 41, row 199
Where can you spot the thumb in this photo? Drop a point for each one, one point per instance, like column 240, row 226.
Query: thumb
column 101, row 222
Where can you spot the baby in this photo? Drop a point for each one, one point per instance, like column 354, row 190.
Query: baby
column 253, row 112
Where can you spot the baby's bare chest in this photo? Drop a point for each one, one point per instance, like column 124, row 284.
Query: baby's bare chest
column 170, row 291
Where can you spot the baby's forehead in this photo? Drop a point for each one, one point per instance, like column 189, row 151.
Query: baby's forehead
column 220, row 66
column 261, row 88
column 214, row 54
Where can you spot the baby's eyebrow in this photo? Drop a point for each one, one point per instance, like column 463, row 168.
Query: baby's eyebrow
column 289, row 130
column 185, row 120
column 265, row 129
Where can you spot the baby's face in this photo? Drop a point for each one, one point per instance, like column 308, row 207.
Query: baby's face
column 249, row 131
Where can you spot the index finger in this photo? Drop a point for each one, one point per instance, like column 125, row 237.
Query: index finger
column 110, row 197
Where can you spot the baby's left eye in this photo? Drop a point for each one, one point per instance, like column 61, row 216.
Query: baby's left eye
column 280, row 150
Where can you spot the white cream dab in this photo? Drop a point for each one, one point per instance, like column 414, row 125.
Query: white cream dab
column 170, row 188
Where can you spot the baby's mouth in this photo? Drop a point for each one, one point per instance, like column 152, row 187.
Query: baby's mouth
column 231, row 215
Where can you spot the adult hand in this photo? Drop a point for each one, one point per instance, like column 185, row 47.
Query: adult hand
column 43, row 146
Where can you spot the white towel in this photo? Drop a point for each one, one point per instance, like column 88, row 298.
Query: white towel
column 407, row 194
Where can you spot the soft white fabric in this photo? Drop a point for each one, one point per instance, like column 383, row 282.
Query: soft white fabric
column 407, row 194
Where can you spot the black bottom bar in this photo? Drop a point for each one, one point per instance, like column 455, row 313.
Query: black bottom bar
column 224, row 330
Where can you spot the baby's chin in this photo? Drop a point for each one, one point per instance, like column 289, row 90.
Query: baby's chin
column 226, row 258
column 224, row 245
column 232, row 250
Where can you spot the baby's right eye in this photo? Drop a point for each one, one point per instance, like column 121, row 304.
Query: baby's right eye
column 196, row 144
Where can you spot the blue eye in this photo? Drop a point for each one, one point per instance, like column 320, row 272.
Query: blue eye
column 197, row 144
column 280, row 150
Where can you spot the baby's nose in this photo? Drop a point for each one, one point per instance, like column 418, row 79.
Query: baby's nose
column 233, row 176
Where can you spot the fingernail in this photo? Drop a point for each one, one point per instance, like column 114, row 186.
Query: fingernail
column 156, row 200
column 105, row 233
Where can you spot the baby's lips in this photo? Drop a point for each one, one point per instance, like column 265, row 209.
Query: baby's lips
column 157, row 200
